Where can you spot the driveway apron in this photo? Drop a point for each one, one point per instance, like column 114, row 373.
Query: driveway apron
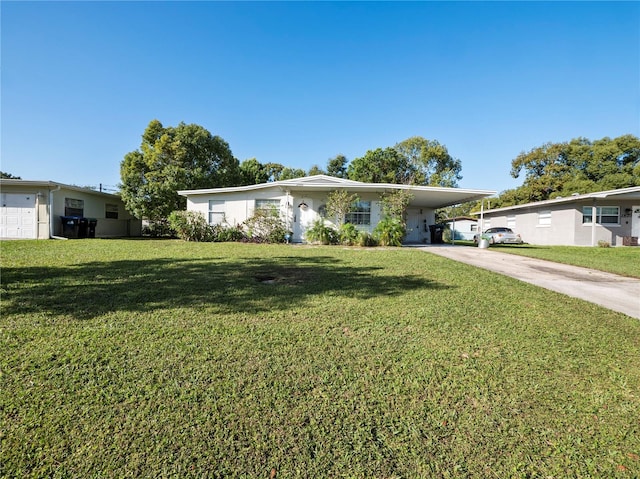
column 610, row 291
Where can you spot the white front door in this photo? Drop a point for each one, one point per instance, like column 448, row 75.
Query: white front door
column 415, row 227
column 303, row 216
column 18, row 216
column 635, row 220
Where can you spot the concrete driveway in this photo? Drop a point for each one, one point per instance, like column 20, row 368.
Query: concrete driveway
column 610, row 291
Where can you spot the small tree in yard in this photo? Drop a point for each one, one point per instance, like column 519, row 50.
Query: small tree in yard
column 339, row 203
column 395, row 204
column 393, row 227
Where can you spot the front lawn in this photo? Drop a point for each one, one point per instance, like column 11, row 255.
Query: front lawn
column 137, row 358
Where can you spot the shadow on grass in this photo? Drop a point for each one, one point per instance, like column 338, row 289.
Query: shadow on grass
column 239, row 285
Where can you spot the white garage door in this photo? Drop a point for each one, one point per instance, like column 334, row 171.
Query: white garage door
column 18, row 216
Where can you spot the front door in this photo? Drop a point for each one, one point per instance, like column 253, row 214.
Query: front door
column 303, row 216
column 635, row 221
column 415, row 227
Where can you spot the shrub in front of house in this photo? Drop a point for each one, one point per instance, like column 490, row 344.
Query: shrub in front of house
column 227, row 234
column 266, row 226
column 366, row 239
column 319, row 232
column 348, row 234
column 190, row 226
column 390, row 232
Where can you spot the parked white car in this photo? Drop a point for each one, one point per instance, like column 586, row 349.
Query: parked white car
column 500, row 235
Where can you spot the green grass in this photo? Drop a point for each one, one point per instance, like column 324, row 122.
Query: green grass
column 124, row 358
column 623, row 261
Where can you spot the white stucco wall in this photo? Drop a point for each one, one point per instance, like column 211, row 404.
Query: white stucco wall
column 239, row 206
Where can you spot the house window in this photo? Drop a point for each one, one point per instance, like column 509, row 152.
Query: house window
column 360, row 213
column 73, row 207
column 544, row 218
column 216, row 212
column 267, row 204
column 111, row 211
column 511, row 221
column 609, row 215
column 474, row 227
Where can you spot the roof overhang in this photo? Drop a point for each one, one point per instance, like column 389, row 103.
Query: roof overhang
column 423, row 196
column 632, row 193
column 52, row 185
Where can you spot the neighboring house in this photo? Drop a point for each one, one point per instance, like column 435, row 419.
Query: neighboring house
column 33, row 210
column 463, row 227
column 301, row 201
column 578, row 220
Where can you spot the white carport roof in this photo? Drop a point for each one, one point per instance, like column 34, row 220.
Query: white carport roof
column 423, row 196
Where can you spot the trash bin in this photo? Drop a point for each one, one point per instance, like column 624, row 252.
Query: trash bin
column 436, row 233
column 83, row 226
column 91, row 231
column 70, row 226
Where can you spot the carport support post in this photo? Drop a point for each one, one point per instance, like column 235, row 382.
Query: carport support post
column 453, row 232
column 594, row 211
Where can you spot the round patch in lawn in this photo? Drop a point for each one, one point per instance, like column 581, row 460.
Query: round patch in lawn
column 266, row 279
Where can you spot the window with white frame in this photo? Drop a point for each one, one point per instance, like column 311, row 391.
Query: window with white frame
column 216, row 212
column 544, row 218
column 268, row 204
column 360, row 213
column 609, row 215
column 474, row 227
column 511, row 221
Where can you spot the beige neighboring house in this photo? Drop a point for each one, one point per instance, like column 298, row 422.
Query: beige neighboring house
column 301, row 201
column 578, row 220
column 33, row 210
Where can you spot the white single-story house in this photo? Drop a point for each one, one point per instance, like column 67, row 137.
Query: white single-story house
column 34, row 210
column 463, row 227
column 578, row 220
column 302, row 200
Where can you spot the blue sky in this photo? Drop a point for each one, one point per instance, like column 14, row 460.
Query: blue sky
column 298, row 83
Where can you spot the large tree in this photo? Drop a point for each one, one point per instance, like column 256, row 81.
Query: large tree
column 577, row 166
column 337, row 166
column 431, row 162
column 253, row 172
column 414, row 161
column 172, row 159
column 382, row 166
